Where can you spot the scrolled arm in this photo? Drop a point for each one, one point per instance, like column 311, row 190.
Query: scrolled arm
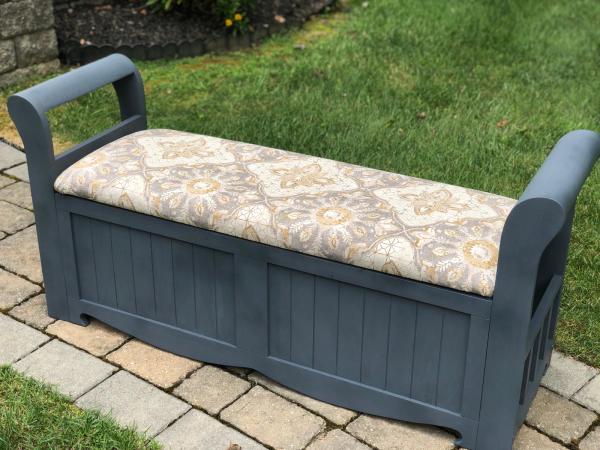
column 28, row 110
column 536, row 236
column 115, row 68
column 564, row 172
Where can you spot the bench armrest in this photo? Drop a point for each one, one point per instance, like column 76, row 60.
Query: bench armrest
column 535, row 239
column 531, row 266
column 565, row 170
column 28, row 110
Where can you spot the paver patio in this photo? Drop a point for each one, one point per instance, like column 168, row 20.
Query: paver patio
column 134, row 402
column 19, row 172
column 33, row 312
column 14, row 289
column 212, row 389
column 5, row 181
column 10, row 156
column 198, row 430
column 97, row 338
column 187, row 404
column 71, row 371
column 17, row 193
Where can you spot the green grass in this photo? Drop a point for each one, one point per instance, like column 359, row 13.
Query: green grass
column 355, row 91
column 33, row 416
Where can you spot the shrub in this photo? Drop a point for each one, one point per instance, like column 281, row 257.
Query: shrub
column 233, row 13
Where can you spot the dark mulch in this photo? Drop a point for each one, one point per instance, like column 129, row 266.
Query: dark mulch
column 128, row 22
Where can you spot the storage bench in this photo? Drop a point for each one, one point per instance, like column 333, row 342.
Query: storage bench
column 383, row 293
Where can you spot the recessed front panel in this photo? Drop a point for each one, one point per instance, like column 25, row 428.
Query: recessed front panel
column 185, row 285
column 413, row 349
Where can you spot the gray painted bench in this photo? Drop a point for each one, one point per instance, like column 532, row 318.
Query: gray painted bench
column 379, row 337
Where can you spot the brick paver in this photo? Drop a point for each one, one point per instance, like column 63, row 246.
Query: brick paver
column 18, row 194
column 567, row 375
column 385, row 434
column 17, row 339
column 33, row 312
column 161, row 368
column 14, row 218
column 591, row 441
column 336, row 440
column 19, row 253
column 5, row 181
column 97, row 338
column 529, row 439
column 133, row 402
column 589, row 395
column 559, row 417
column 19, row 172
column 211, row 389
column 335, row 414
column 273, row 420
column 14, row 289
column 196, row 430
column 10, row 156
column 72, row 371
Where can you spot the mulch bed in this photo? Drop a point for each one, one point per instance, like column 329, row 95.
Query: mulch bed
column 88, row 31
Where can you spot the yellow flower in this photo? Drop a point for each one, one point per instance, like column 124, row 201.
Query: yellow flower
column 228, row 22
column 238, row 17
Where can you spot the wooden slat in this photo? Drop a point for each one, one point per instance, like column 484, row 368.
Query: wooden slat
column 84, row 253
column 252, row 303
column 544, row 347
column 206, row 303
column 302, row 331
column 455, row 341
column 403, row 319
column 474, row 367
column 103, row 261
column 225, row 296
column 183, row 281
column 546, row 303
column 523, row 395
column 143, row 276
column 375, row 339
column 350, row 332
column 162, row 259
column 123, row 264
column 428, row 341
column 279, row 312
column 326, row 324
column 534, row 357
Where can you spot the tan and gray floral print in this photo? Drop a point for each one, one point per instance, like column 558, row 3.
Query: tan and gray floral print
column 418, row 229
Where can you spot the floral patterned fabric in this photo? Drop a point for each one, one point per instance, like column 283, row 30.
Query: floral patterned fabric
column 419, row 229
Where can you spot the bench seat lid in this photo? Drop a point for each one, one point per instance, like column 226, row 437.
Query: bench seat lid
column 419, row 229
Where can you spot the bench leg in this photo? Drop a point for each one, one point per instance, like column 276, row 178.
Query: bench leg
column 494, row 435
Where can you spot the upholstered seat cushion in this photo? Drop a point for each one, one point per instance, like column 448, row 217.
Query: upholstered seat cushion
column 419, row 229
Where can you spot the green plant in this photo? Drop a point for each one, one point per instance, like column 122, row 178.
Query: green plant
column 35, row 416
column 233, row 13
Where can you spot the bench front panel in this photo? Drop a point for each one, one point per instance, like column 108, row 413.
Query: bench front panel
column 290, row 316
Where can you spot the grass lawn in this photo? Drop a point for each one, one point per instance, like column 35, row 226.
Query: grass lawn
column 33, row 416
column 466, row 92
